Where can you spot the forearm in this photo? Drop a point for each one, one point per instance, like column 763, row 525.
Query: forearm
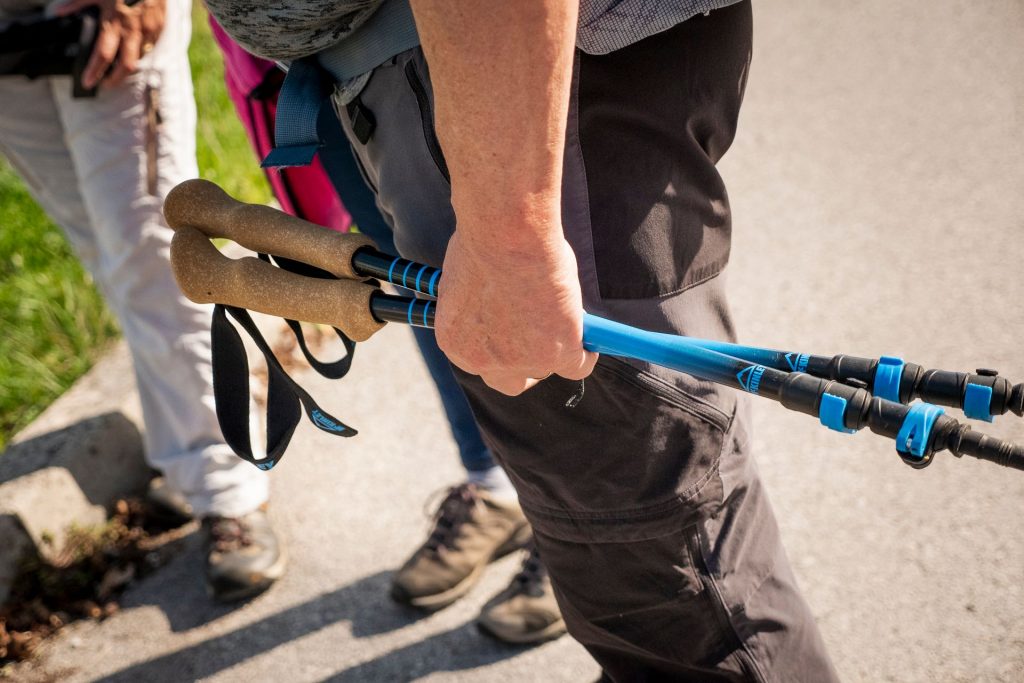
column 501, row 74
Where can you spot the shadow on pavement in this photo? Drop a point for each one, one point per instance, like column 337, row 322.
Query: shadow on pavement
column 359, row 603
column 179, row 591
column 103, row 453
column 455, row 650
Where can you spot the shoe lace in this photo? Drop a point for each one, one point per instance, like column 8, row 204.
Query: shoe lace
column 455, row 510
column 531, row 575
column 229, row 533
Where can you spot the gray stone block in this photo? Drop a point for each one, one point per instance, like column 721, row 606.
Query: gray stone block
column 71, row 464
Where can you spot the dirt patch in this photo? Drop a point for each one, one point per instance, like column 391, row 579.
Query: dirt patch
column 85, row 580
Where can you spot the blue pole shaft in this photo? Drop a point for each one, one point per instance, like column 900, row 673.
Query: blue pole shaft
column 425, row 279
column 612, row 338
column 670, row 351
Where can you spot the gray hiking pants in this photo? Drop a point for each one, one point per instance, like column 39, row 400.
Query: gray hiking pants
column 100, row 168
column 646, row 504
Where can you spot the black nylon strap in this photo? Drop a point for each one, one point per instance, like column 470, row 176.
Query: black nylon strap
column 284, row 395
column 331, row 370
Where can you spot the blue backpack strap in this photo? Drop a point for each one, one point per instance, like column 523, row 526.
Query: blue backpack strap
column 389, row 31
column 298, row 106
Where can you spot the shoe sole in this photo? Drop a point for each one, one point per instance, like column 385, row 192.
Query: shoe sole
column 498, row 632
column 437, row 601
column 269, row 576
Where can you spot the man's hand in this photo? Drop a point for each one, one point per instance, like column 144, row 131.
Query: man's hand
column 126, row 33
column 510, row 309
column 512, row 317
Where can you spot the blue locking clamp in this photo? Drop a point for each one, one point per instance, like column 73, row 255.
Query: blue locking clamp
column 831, row 411
column 887, row 378
column 978, row 402
column 912, row 439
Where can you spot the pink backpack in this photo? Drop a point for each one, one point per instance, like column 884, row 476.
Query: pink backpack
column 253, row 85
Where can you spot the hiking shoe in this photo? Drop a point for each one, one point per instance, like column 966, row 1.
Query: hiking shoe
column 526, row 611
column 471, row 529
column 243, row 555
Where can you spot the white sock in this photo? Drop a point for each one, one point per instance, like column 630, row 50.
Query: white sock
column 495, row 482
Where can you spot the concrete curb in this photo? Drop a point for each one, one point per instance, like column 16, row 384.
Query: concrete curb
column 70, row 465
column 83, row 453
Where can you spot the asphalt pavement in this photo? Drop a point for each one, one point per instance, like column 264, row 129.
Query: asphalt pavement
column 876, row 184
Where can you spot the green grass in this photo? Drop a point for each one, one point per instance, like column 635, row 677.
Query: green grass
column 55, row 323
column 222, row 148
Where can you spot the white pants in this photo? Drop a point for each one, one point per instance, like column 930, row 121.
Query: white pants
column 101, row 168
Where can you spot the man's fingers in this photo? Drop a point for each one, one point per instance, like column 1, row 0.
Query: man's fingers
column 153, row 17
column 582, row 368
column 515, row 383
column 127, row 58
column 102, row 55
column 507, row 384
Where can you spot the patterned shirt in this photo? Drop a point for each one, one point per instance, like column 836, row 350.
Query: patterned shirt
column 288, row 29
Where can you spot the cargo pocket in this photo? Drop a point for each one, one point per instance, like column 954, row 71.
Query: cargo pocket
column 662, row 606
column 635, row 459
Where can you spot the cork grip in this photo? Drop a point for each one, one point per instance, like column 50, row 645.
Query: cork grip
column 202, row 205
column 207, row 276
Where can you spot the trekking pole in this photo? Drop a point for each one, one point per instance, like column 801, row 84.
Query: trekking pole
column 202, row 205
column 920, row 430
column 981, row 395
column 198, row 209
